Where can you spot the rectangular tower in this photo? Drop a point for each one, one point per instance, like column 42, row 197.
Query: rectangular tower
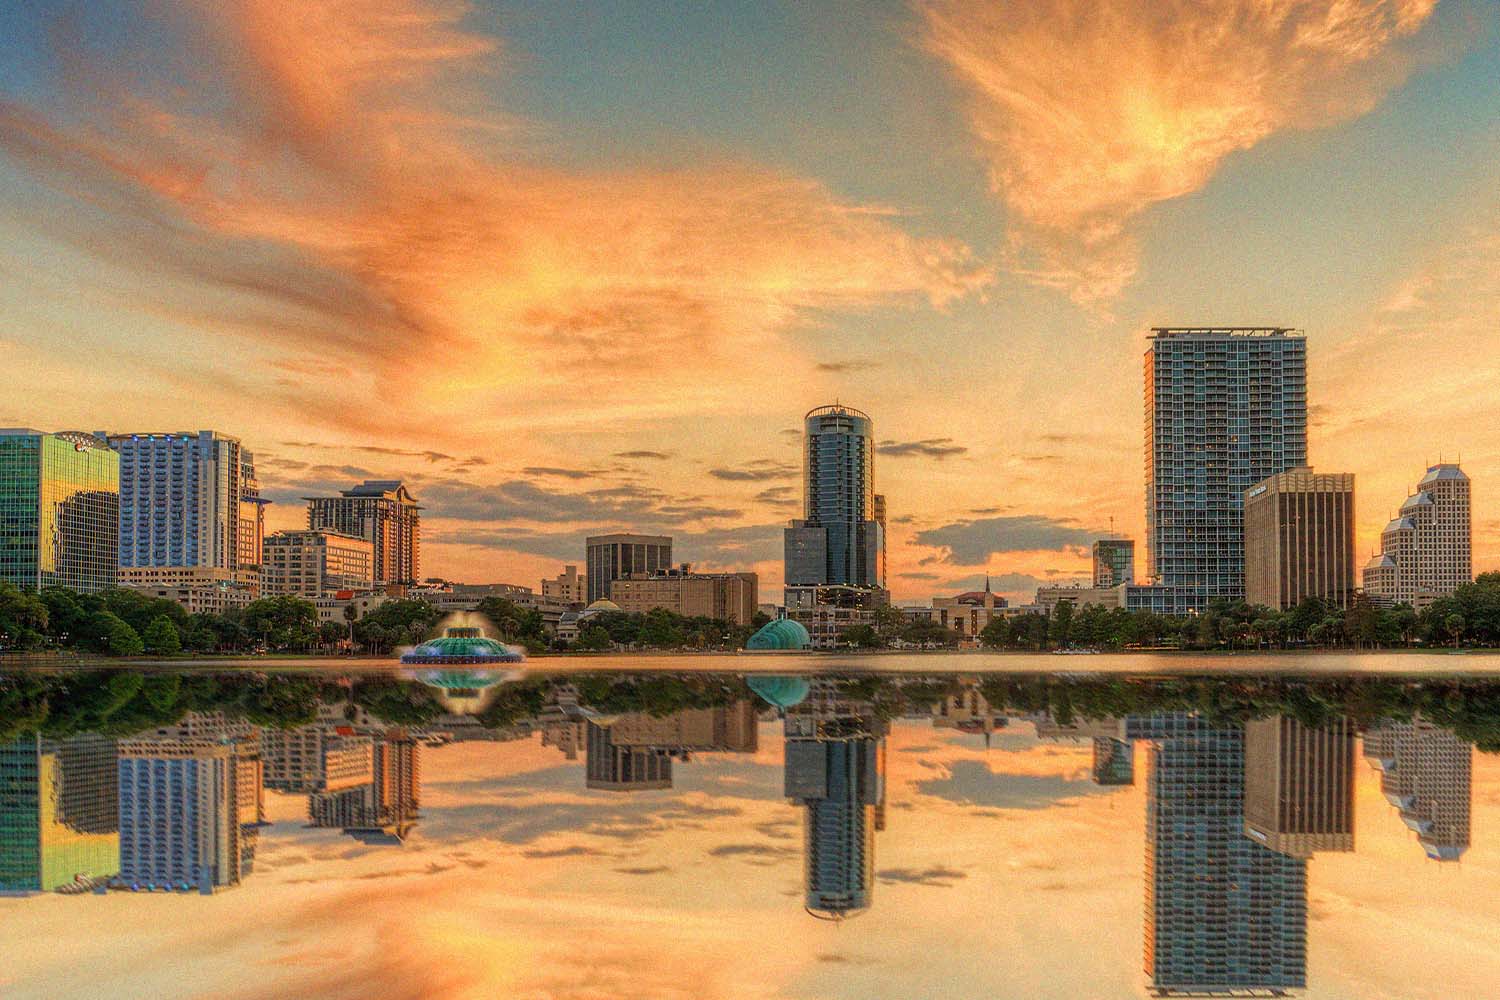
column 1299, row 539
column 59, row 510
column 840, row 540
column 1226, row 407
column 1299, row 785
column 383, row 513
column 617, row 556
column 1426, row 550
column 1114, row 562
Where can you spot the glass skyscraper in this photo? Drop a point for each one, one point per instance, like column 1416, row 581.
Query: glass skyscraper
column 59, row 510
column 838, row 782
column 58, row 817
column 841, row 538
column 1225, row 409
column 1224, row 914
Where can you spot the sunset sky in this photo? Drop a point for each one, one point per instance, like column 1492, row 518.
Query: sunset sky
column 569, row 268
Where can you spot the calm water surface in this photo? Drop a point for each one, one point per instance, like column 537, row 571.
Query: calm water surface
column 736, row 827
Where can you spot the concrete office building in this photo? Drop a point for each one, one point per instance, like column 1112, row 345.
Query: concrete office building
column 190, row 510
column 313, row 759
column 1226, row 408
column 1048, row 598
column 383, row 513
column 568, row 587
column 1427, row 773
column 614, row 768
column 730, row 597
column 59, row 510
column 315, row 563
column 1114, row 562
column 839, row 540
column 1224, row 914
column 189, row 812
column 1426, row 551
column 1299, row 786
column 968, row 613
column 620, row 555
column 59, row 813
column 1299, row 539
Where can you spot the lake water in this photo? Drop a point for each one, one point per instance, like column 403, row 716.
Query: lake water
column 800, row 827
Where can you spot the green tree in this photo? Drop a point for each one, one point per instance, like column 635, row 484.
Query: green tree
column 1062, row 624
column 862, row 636
column 1455, row 625
column 995, row 634
column 23, row 619
column 661, row 629
column 594, row 638
column 112, row 635
column 161, row 637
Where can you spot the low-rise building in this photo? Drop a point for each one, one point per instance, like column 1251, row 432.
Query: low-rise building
column 568, row 587
column 827, row 611
column 1048, row 598
column 729, row 597
column 202, row 598
column 969, row 613
column 315, row 562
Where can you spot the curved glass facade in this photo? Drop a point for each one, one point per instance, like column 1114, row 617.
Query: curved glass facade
column 59, row 510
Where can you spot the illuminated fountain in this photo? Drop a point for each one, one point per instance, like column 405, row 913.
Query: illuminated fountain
column 461, row 645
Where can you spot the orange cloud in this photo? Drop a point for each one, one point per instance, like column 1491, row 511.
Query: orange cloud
column 1090, row 111
column 363, row 198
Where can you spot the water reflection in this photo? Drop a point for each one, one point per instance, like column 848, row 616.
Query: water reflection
column 118, row 782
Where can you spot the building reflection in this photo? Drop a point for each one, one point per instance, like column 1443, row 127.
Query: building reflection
column 1427, row 773
column 59, row 822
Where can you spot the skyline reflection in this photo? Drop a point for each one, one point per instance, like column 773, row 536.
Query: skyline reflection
column 1235, row 817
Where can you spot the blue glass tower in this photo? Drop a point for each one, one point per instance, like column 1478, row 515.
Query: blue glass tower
column 1225, row 408
column 840, row 540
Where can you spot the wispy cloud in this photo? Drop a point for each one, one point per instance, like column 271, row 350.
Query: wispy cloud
column 1088, row 112
column 972, row 542
column 938, row 448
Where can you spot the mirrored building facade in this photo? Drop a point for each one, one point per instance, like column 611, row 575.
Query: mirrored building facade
column 59, row 510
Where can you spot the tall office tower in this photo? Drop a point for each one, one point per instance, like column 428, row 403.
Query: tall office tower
column 839, row 539
column 878, row 506
column 1225, row 409
column 1299, row 786
column 1299, row 539
column 1114, row 761
column 59, row 510
column 1425, row 552
column 839, row 783
column 383, row 513
column 1223, row 912
column 187, row 514
column 613, row 768
column 58, row 813
column 617, row 556
column 315, row 759
column 1427, row 773
column 1114, row 562
column 189, row 809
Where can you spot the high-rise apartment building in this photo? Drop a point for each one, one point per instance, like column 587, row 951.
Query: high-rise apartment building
column 1299, row 785
column 838, row 783
column 383, row 513
column 189, row 812
column 1114, row 562
column 617, row 556
column 839, row 539
column 1299, row 539
column 59, row 822
column 1427, row 773
column 315, row 563
column 1224, row 914
column 190, row 510
column 731, row 597
column 384, row 809
column 1426, row 550
column 59, row 510
column 1226, row 408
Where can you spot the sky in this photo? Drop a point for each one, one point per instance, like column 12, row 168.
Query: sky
column 569, row 268
column 1002, row 873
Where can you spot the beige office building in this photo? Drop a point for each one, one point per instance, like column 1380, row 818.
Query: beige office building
column 731, row 597
column 1426, row 550
column 1299, row 786
column 1048, row 598
column 568, row 587
column 314, row 563
column 1299, row 539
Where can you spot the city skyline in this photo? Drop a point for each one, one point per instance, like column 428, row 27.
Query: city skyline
column 333, row 272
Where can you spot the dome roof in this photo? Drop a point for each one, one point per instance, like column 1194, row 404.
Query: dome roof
column 462, row 645
column 783, row 692
column 603, row 604
column 783, row 633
